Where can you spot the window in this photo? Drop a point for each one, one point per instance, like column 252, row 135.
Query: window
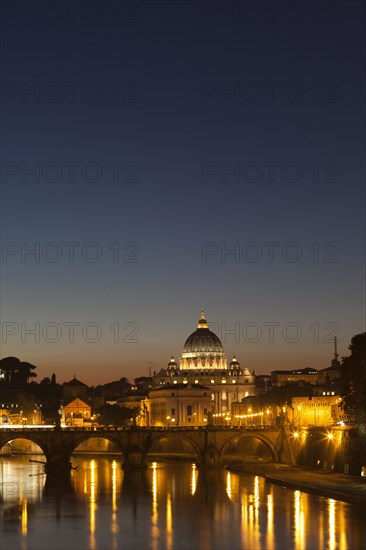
column 189, row 410
column 173, row 412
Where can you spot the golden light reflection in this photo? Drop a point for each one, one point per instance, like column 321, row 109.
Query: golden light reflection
column 342, row 529
column 321, row 529
column 114, row 486
column 114, row 522
column 154, row 522
column 228, row 484
column 154, row 485
column 256, row 493
column 332, row 524
column 24, row 517
column 249, row 515
column 193, row 479
column 169, row 521
column 92, row 499
column 299, row 522
column 270, row 523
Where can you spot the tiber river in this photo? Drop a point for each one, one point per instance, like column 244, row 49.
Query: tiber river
column 172, row 505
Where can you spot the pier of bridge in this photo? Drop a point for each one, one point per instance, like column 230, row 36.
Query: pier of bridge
column 209, row 443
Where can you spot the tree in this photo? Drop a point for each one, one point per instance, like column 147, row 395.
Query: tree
column 353, row 375
column 114, row 415
column 9, row 366
column 17, row 373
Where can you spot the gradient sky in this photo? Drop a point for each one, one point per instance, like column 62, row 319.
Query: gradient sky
column 148, row 96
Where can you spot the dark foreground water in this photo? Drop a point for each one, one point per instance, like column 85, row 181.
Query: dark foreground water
column 171, row 505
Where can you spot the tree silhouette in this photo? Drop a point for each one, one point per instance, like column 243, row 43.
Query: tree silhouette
column 16, row 373
column 353, row 375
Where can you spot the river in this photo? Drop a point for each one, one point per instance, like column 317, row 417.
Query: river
column 172, row 505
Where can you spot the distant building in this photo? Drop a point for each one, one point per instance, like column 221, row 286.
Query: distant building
column 74, row 388
column 282, row 377
column 178, row 405
column 262, row 383
column 203, row 363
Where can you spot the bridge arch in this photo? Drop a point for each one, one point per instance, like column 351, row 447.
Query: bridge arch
column 155, row 438
column 246, row 435
column 81, row 438
column 25, row 437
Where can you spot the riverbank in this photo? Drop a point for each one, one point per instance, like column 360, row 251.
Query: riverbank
column 332, row 485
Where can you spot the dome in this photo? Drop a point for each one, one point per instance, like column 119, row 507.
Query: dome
column 172, row 363
column 234, row 363
column 203, row 351
column 171, row 368
column 203, row 340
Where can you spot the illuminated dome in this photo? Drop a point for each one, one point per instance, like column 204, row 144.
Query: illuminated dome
column 234, row 363
column 203, row 349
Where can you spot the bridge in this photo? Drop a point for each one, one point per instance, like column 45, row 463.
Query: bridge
column 209, row 443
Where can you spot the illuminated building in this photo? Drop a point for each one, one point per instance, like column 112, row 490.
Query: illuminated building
column 179, row 405
column 315, row 411
column 203, row 363
column 76, row 413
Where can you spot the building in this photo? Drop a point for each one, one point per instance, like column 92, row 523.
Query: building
column 315, row 411
column 262, row 384
column 76, row 413
column 248, row 414
column 282, row 377
column 74, row 388
column 178, row 405
column 203, row 363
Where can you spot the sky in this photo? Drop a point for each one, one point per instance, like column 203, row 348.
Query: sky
column 162, row 157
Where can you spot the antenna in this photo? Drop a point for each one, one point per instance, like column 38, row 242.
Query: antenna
column 151, row 364
column 335, row 348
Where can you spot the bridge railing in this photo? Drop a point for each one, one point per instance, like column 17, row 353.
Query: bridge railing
column 99, row 429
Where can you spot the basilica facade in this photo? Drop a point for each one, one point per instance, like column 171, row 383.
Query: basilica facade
column 203, row 365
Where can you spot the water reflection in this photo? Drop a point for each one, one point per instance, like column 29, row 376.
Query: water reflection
column 168, row 506
column 24, row 516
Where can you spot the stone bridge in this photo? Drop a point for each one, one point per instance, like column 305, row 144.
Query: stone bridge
column 208, row 443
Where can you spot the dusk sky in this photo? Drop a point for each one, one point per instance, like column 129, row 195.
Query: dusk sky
column 171, row 143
